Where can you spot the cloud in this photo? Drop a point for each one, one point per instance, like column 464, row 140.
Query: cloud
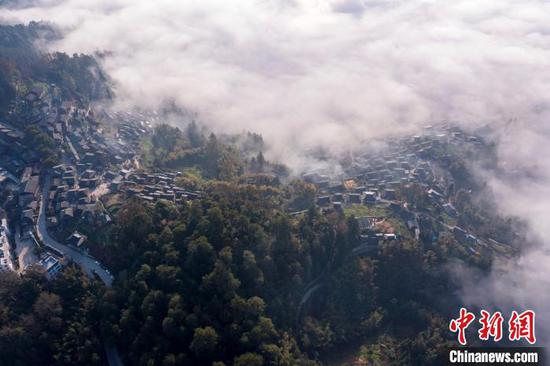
column 308, row 73
column 340, row 74
column 522, row 191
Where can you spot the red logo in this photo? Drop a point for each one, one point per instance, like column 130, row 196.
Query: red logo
column 459, row 325
column 520, row 326
column 491, row 326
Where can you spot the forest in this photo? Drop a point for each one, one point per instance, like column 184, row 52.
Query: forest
column 23, row 63
column 50, row 322
column 221, row 280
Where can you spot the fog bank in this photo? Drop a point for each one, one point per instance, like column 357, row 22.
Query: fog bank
column 338, row 74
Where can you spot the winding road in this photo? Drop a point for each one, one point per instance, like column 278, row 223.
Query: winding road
column 87, row 262
column 316, row 284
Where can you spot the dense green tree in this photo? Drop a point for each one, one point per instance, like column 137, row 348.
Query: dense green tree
column 205, row 342
column 249, row 359
column 194, row 135
column 49, row 322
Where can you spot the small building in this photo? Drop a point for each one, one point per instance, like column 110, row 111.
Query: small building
column 450, row 210
column 434, row 195
column 460, row 234
column 339, row 188
column 30, row 191
column 66, row 216
column 50, row 266
column 370, row 198
column 76, row 239
column 115, row 185
column 390, row 194
column 354, row 198
column 471, row 239
column 390, row 236
column 323, row 200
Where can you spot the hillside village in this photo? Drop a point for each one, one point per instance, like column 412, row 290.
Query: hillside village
column 144, row 220
column 90, row 163
column 95, row 157
column 374, row 189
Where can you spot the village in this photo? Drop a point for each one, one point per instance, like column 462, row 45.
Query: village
column 49, row 205
column 66, row 168
column 54, row 207
column 373, row 185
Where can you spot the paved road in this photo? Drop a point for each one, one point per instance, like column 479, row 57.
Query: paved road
column 305, row 298
column 112, row 355
column 315, row 285
column 88, row 263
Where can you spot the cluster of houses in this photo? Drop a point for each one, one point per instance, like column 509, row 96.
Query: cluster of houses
column 378, row 180
column 27, row 193
column 90, row 145
column 29, row 196
column 77, row 129
column 39, row 107
column 49, row 262
column 375, row 179
column 96, row 162
column 14, row 156
column 151, row 187
column 89, row 154
column 74, row 195
column 71, row 198
column 131, row 127
column 462, row 236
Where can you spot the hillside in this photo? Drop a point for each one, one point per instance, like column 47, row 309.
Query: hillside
column 23, row 65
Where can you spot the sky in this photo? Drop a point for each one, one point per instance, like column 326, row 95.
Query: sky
column 340, row 74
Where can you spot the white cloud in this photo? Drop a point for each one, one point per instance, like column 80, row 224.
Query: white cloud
column 317, row 72
column 309, row 73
